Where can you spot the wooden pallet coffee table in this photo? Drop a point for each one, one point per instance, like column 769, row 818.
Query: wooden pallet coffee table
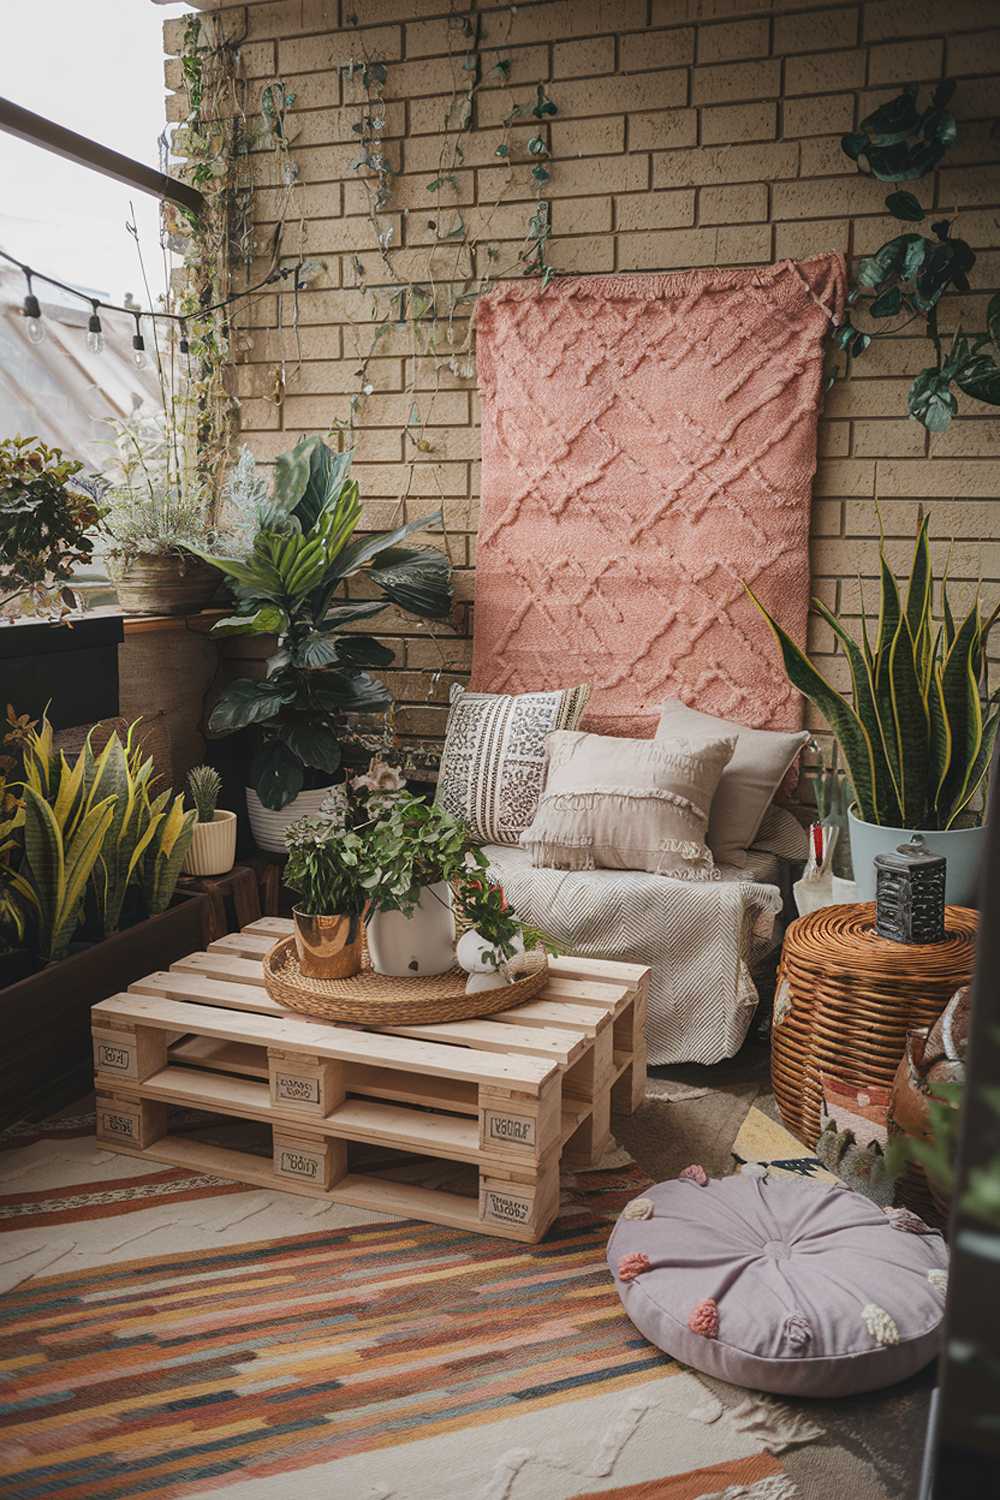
column 515, row 1095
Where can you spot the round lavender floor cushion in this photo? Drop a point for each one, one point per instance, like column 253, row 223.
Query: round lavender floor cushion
column 781, row 1284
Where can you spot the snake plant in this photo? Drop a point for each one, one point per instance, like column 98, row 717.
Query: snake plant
column 65, row 823
column 917, row 733
column 173, row 832
column 124, row 773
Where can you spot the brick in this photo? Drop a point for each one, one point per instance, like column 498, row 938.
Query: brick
column 963, row 188
column 889, row 439
column 815, row 29
column 827, row 518
column 811, row 237
column 286, row 17
column 662, row 129
column 736, row 39
column 581, row 216
column 834, row 439
column 847, row 195
column 615, row 174
column 845, row 476
column 893, row 356
column 583, row 59
column 979, row 53
column 530, row 23
column 447, row 408
column 889, row 18
column 855, row 397
column 733, row 81
column 824, row 72
column 901, row 62
column 970, row 478
column 598, row 96
column 969, row 437
column 730, row 124
column 587, row 138
column 968, row 519
column 817, row 116
column 583, row 254
column 741, row 244
column 822, row 157
column 312, row 54
column 654, row 210
column 733, row 205
column 656, row 49
column 669, row 249
column 708, row 165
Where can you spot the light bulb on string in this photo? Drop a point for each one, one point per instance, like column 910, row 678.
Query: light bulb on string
column 95, row 336
column 138, row 345
column 33, row 313
column 184, row 346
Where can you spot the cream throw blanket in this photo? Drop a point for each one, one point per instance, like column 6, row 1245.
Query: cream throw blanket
column 702, row 940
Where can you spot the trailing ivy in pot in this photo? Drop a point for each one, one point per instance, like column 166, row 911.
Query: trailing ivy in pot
column 213, row 840
column 416, row 850
column 290, row 583
column 918, row 731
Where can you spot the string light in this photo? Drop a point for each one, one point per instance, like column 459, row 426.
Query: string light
column 138, row 344
column 95, row 333
column 32, row 311
column 95, row 336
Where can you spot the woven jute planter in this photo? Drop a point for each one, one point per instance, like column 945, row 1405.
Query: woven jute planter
column 370, row 999
column 845, row 1000
column 163, row 583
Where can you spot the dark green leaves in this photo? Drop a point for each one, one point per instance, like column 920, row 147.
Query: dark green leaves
column 543, row 105
column 248, row 701
column 931, row 400
column 898, row 142
column 276, row 773
column 904, row 206
column 993, row 319
column 980, row 378
column 418, row 579
column 851, row 339
column 888, row 303
column 364, row 651
column 314, row 743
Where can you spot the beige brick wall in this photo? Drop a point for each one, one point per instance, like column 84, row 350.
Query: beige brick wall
column 689, row 133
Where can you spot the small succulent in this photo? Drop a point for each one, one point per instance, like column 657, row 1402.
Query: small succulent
column 204, row 786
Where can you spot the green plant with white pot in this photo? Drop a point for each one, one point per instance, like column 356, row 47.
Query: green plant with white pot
column 292, row 583
column 213, row 839
column 918, row 729
column 416, row 850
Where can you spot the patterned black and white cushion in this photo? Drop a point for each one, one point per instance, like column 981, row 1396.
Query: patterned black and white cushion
column 493, row 764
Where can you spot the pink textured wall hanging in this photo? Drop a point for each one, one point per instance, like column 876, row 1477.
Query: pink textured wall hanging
column 649, row 442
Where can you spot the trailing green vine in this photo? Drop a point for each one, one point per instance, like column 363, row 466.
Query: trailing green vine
column 909, row 274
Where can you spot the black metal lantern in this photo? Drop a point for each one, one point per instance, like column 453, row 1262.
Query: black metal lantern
column 909, row 894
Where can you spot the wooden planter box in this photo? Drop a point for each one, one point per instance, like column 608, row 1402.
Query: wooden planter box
column 46, row 1017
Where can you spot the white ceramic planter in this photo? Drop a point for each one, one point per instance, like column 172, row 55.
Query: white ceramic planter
column 421, row 944
column 212, row 850
column 268, row 827
column 483, row 974
column 961, row 847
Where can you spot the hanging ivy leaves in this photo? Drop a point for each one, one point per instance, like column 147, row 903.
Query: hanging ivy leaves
column 931, row 400
column 898, row 142
column 543, row 105
column 888, row 303
column 903, row 205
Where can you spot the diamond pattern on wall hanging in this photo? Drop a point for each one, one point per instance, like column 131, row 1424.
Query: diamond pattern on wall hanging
column 648, row 443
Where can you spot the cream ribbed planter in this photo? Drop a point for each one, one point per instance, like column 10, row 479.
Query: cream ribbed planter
column 268, row 827
column 213, row 846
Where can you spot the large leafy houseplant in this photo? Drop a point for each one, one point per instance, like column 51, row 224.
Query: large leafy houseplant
column 46, row 517
column 918, row 730
column 291, row 585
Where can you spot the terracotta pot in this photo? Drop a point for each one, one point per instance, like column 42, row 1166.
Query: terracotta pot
column 163, row 583
column 329, row 947
column 212, row 850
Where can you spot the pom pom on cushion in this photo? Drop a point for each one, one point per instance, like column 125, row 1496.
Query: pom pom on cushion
column 781, row 1284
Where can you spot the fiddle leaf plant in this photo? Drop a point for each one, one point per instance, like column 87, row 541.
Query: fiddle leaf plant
column 918, row 730
column 291, row 585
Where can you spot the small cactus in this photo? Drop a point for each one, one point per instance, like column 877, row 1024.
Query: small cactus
column 204, row 785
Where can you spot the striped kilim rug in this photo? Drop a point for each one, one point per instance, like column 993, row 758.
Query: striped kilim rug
column 168, row 1334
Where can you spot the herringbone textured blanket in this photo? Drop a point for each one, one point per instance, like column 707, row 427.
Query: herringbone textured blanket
column 649, row 444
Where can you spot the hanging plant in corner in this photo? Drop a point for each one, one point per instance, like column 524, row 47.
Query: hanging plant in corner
column 289, row 584
column 907, row 276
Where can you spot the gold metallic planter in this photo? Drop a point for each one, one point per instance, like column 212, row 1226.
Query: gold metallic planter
column 329, row 947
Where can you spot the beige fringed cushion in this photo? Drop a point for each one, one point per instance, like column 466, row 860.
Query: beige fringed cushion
column 493, row 762
column 622, row 804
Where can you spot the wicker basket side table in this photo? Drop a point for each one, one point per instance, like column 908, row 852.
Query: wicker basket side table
column 844, row 1002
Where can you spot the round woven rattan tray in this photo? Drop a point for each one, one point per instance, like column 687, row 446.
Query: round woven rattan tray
column 845, row 1000
column 370, row 999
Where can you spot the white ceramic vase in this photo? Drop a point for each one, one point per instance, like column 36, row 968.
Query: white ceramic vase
column 212, row 850
column 484, row 973
column 421, row 944
column 961, row 847
column 268, row 827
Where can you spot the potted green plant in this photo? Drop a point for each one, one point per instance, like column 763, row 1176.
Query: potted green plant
column 213, row 840
column 416, row 850
column 290, row 584
column 47, row 517
column 918, row 730
column 327, row 866
column 157, row 509
column 494, row 945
